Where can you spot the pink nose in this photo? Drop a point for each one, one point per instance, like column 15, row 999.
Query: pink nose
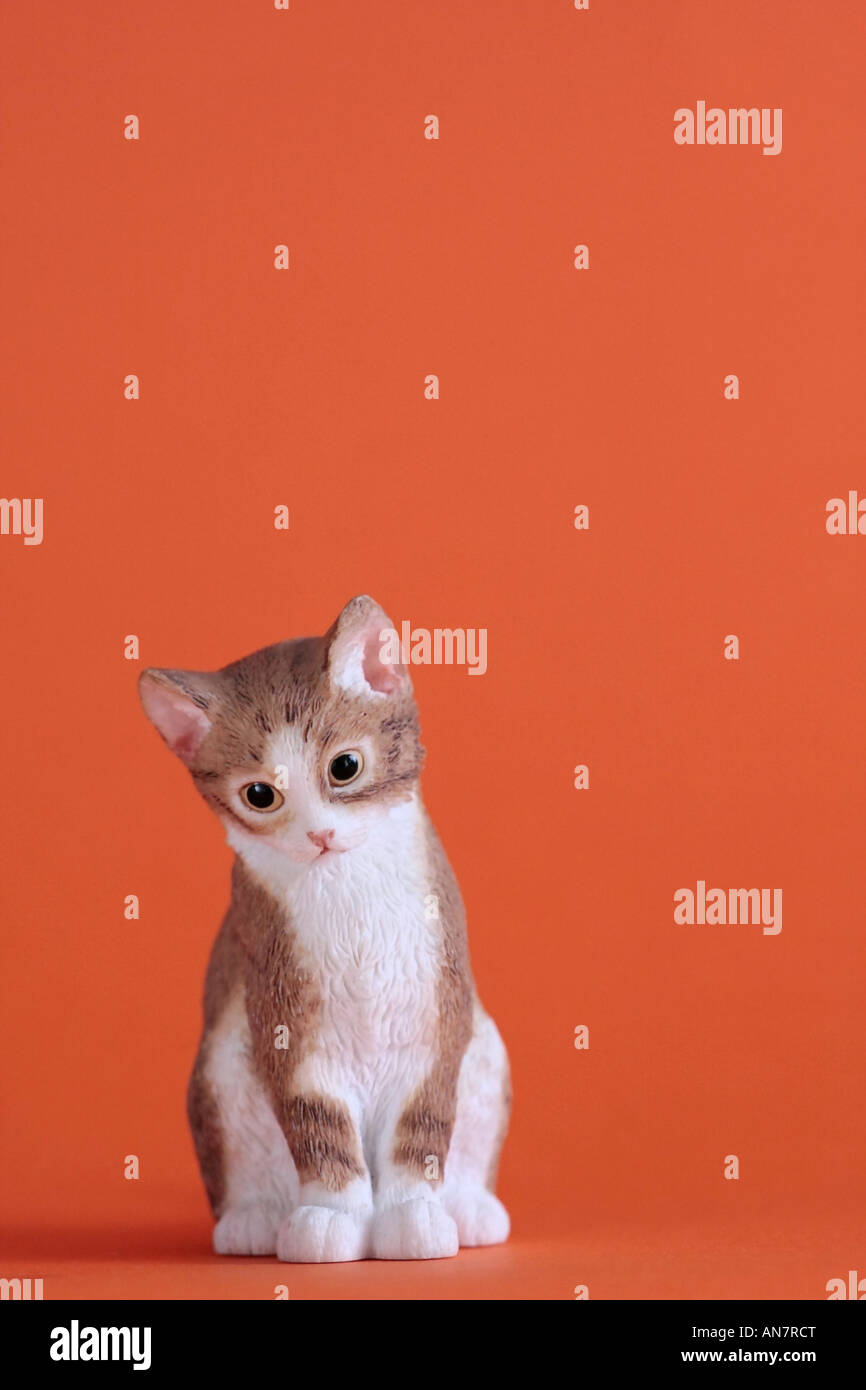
column 322, row 838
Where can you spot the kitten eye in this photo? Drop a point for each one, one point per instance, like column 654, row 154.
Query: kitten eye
column 261, row 796
column 345, row 768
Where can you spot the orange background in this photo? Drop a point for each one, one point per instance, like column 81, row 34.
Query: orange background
column 604, row 387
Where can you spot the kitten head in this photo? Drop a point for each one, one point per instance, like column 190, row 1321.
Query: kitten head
column 303, row 748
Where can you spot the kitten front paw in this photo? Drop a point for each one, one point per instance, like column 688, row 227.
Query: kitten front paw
column 419, row 1229
column 322, row 1235
column 480, row 1216
column 247, row 1231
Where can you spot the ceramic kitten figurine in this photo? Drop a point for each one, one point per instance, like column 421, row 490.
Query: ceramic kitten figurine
column 350, row 1095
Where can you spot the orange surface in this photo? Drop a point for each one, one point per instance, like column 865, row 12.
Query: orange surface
column 558, row 387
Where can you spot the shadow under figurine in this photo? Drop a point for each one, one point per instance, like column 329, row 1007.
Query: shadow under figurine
column 350, row 1096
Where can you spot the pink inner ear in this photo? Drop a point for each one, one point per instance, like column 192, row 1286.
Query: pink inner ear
column 380, row 675
column 181, row 722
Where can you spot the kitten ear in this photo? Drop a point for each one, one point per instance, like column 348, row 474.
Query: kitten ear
column 363, row 650
column 177, row 708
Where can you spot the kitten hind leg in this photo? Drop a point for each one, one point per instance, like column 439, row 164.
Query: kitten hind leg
column 483, row 1109
column 244, row 1158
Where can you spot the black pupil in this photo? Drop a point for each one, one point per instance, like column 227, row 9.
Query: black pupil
column 260, row 795
column 344, row 768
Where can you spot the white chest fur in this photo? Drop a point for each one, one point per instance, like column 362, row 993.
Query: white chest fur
column 361, row 919
column 364, row 928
